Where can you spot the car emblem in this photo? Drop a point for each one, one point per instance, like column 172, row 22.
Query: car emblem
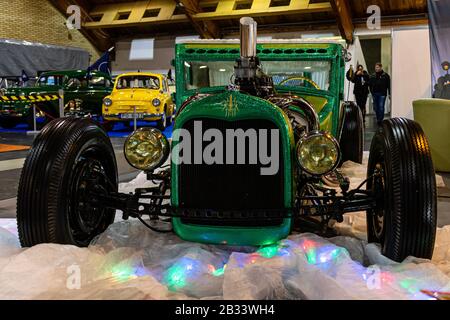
column 231, row 107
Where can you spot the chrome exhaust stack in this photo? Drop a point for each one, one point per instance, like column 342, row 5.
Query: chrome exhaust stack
column 248, row 37
column 248, row 76
column 247, row 65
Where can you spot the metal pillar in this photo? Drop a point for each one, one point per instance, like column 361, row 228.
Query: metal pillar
column 35, row 131
column 61, row 102
column 134, row 118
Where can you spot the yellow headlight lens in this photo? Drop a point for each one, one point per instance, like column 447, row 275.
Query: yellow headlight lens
column 318, row 153
column 146, row 149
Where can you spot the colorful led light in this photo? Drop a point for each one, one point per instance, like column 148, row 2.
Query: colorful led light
column 181, row 271
column 269, row 251
column 321, row 255
column 122, row 273
column 216, row 272
column 175, row 277
column 219, row 272
column 409, row 284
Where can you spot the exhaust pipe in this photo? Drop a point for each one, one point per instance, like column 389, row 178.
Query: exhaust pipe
column 248, row 76
column 248, row 37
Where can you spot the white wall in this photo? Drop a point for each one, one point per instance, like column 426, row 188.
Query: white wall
column 411, row 69
column 163, row 53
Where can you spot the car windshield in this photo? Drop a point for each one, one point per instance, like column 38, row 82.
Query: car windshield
column 10, row 83
column 97, row 81
column 138, row 82
column 309, row 74
column 57, row 80
column 83, row 82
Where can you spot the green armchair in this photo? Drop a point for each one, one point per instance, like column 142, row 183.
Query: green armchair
column 434, row 117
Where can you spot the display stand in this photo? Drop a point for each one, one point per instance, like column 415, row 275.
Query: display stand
column 35, row 131
column 61, row 103
column 134, row 118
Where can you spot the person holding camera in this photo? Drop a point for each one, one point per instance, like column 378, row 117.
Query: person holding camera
column 361, row 90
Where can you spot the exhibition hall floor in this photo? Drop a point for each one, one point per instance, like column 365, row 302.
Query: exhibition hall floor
column 11, row 162
column 129, row 261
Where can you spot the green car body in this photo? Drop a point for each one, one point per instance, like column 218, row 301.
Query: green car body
column 81, row 96
column 331, row 53
column 327, row 103
column 258, row 142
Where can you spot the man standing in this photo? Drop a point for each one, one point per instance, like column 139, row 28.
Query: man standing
column 361, row 80
column 380, row 87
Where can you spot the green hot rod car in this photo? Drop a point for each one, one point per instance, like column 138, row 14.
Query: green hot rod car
column 83, row 96
column 258, row 139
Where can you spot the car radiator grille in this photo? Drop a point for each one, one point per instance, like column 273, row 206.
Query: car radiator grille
column 238, row 187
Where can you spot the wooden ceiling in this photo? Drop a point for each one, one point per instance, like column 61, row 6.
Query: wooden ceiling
column 388, row 7
column 105, row 21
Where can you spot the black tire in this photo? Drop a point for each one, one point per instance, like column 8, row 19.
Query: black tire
column 162, row 123
column 108, row 125
column 169, row 121
column 8, row 123
column 171, row 118
column 68, row 156
column 405, row 222
column 352, row 133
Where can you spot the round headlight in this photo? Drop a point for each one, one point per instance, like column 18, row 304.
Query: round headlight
column 318, row 153
column 107, row 102
column 146, row 149
column 156, row 102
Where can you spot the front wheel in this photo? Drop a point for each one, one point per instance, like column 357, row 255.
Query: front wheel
column 71, row 160
column 352, row 133
column 107, row 125
column 163, row 123
column 401, row 176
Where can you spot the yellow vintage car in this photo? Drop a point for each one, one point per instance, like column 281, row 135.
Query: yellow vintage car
column 146, row 94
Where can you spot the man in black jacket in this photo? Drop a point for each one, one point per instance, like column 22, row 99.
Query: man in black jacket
column 361, row 80
column 380, row 87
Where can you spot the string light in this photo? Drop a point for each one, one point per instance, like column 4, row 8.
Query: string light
column 185, row 270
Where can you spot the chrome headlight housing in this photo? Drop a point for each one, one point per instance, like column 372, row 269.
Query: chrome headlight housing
column 318, row 153
column 107, row 102
column 156, row 102
column 146, row 149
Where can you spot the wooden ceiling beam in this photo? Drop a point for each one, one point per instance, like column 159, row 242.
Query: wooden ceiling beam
column 343, row 13
column 206, row 29
column 126, row 14
column 229, row 9
column 395, row 22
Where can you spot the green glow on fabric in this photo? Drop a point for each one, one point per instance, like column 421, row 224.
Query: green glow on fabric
column 311, row 256
column 175, row 277
column 219, row 272
column 269, row 251
column 409, row 285
column 123, row 273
